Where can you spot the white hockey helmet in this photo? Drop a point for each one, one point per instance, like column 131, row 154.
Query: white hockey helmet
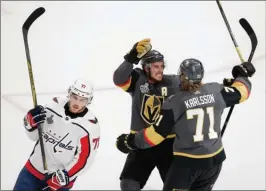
column 82, row 88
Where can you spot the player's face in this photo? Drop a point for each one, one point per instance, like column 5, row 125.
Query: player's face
column 77, row 103
column 156, row 71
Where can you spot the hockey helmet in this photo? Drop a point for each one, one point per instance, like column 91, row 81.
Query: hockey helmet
column 151, row 57
column 192, row 69
column 82, row 88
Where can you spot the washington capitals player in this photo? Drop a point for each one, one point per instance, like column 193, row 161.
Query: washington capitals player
column 71, row 138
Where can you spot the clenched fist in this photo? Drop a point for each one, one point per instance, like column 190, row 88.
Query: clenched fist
column 140, row 49
column 125, row 143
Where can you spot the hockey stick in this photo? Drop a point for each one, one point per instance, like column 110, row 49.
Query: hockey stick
column 230, row 31
column 254, row 43
column 253, row 38
column 25, row 29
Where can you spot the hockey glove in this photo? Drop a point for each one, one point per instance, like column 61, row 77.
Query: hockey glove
column 58, row 180
column 125, row 143
column 140, row 49
column 34, row 117
column 245, row 69
column 228, row 81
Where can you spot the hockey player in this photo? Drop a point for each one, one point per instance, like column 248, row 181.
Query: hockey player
column 71, row 138
column 195, row 113
column 148, row 88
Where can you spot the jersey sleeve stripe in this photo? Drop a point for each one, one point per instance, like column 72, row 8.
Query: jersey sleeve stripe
column 130, row 84
column 170, row 136
column 152, row 137
column 126, row 85
column 243, row 90
column 83, row 156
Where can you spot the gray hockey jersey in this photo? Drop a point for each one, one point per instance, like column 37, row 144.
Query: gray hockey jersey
column 196, row 118
column 147, row 99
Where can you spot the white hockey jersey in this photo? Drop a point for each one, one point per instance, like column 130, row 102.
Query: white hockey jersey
column 70, row 143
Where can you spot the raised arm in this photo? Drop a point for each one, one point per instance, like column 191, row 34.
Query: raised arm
column 239, row 90
column 125, row 76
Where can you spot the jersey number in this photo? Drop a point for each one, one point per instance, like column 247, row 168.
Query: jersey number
column 199, row 112
column 96, row 142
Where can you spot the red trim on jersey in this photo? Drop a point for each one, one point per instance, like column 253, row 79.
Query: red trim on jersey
column 147, row 140
column 70, row 184
column 83, row 156
column 33, row 170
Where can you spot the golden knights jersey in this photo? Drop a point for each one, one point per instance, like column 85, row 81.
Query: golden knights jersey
column 147, row 99
column 196, row 118
column 70, row 143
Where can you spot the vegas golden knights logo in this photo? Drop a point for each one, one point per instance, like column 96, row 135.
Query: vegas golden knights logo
column 151, row 106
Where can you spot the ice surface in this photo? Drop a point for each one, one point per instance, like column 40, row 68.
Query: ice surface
column 89, row 39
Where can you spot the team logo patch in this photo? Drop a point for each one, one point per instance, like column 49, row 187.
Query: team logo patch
column 50, row 119
column 151, row 106
column 55, row 99
column 144, row 88
column 59, row 143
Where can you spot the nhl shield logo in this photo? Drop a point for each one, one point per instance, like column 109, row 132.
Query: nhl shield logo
column 151, row 106
column 50, row 119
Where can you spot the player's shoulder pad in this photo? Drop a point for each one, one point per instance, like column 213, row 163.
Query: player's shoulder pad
column 214, row 87
column 60, row 100
column 55, row 99
column 171, row 80
column 91, row 117
column 139, row 71
column 56, row 102
column 170, row 76
column 167, row 78
column 169, row 102
column 138, row 75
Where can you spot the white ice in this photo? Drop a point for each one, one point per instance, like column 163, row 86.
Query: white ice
column 89, row 39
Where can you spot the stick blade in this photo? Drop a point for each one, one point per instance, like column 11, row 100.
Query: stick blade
column 249, row 30
column 34, row 15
